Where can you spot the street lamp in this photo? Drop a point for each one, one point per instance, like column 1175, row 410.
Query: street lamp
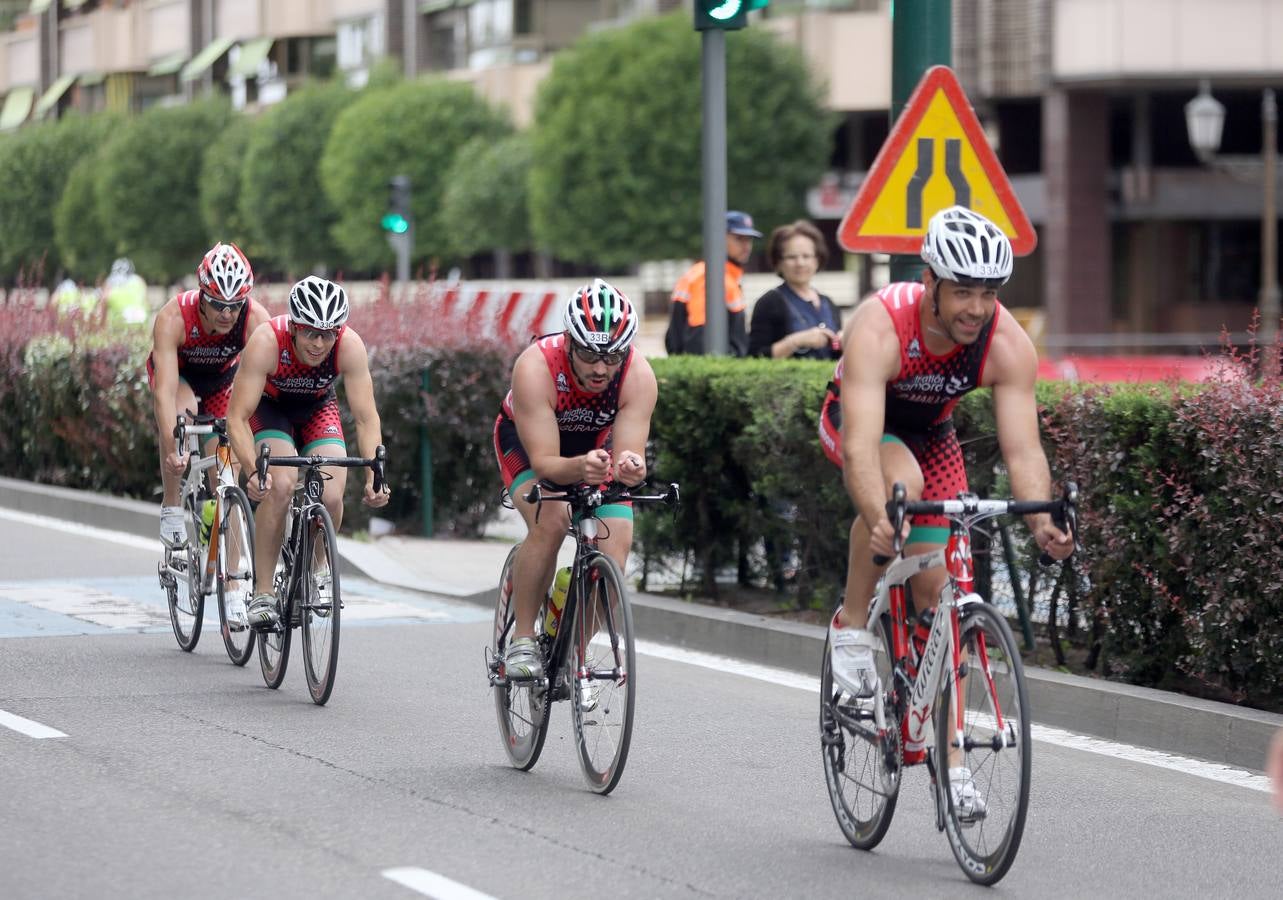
column 1204, row 118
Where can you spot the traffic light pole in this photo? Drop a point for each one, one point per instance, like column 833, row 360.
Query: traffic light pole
column 714, row 173
column 921, row 37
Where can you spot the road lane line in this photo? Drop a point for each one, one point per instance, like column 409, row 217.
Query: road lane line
column 1044, row 733
column 430, row 884
column 102, row 534
column 28, row 727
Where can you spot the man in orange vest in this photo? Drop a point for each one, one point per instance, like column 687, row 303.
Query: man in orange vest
column 686, row 323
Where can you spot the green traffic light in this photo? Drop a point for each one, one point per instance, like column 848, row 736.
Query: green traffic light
column 728, row 9
column 395, row 223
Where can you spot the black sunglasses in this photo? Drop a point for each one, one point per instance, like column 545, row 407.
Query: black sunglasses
column 222, row 305
column 592, row 357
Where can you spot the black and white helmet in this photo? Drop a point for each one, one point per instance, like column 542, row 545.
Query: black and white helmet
column 318, row 303
column 964, row 246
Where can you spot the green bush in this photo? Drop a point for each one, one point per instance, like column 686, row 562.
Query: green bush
column 485, row 196
column 78, row 231
column 37, row 161
column 617, row 173
column 415, row 129
column 147, row 187
column 221, row 177
column 281, row 200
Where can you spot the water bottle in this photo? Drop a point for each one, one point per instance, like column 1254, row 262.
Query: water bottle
column 557, row 601
column 207, row 520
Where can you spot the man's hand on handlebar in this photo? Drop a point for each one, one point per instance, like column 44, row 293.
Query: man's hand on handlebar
column 176, row 463
column 374, row 498
column 631, row 469
column 1052, row 541
column 595, row 467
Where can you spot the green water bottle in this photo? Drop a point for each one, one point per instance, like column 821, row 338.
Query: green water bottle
column 557, row 602
column 207, row 520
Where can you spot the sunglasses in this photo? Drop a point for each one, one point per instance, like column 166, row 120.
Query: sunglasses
column 222, row 305
column 309, row 334
column 592, row 357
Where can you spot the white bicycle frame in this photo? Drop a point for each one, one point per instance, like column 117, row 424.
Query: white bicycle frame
column 200, row 464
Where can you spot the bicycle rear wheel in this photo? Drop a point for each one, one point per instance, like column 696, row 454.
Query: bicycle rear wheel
column 605, row 675
column 985, row 814
column 236, row 572
column 522, row 708
column 184, row 584
column 862, row 765
column 321, row 606
column 274, row 645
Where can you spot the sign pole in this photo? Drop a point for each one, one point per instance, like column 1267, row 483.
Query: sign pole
column 714, row 173
column 921, row 36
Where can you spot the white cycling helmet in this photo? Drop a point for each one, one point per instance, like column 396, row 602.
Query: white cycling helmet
column 318, row 303
column 599, row 317
column 964, row 246
column 224, row 273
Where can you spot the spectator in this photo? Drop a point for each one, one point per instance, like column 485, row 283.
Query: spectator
column 126, row 295
column 686, row 324
column 794, row 319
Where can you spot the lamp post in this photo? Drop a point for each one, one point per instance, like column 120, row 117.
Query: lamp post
column 1204, row 118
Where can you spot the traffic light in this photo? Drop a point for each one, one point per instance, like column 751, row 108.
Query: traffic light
column 397, row 218
column 724, row 14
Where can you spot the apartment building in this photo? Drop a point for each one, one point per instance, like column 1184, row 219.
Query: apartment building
column 1083, row 99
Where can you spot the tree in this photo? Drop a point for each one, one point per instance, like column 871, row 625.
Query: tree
column 148, row 184
column 36, row 162
column 281, row 199
column 415, row 129
column 485, row 196
column 220, row 188
column 77, row 228
column 617, row 175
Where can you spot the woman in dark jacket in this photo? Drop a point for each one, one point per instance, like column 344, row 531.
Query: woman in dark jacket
column 794, row 320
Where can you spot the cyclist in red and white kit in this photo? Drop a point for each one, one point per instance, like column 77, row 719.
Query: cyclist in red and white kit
column 284, row 394
column 909, row 354
column 578, row 413
column 197, row 339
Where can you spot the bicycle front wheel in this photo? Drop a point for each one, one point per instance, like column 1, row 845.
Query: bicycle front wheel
column 605, row 674
column 185, row 583
column 321, row 606
column 522, row 708
column 236, row 574
column 862, row 764
column 983, row 755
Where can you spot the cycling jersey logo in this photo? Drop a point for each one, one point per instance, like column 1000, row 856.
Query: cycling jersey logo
column 195, row 331
column 562, row 386
column 331, row 429
column 956, row 385
column 915, row 349
column 285, row 358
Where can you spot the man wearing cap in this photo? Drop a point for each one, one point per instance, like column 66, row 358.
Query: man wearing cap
column 686, row 324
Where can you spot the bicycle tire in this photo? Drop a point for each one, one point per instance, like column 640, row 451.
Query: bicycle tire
column 604, row 729
column 985, row 845
column 870, row 766
column 274, row 645
column 236, row 538
column 185, row 592
column 521, row 708
column 319, row 616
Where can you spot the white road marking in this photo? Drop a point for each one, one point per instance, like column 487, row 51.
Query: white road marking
column 430, row 884
column 28, row 727
column 90, row 605
column 102, row 534
column 1045, row 733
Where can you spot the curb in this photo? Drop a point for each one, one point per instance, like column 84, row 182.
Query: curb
column 1172, row 723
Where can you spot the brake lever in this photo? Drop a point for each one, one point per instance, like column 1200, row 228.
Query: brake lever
column 895, row 512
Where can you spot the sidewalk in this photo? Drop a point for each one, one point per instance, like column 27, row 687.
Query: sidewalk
column 468, row 571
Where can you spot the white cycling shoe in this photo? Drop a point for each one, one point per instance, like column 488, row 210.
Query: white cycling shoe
column 967, row 799
column 173, row 525
column 851, row 659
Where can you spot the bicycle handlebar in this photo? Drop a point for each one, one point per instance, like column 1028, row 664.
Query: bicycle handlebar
column 587, row 497
column 377, row 462
column 1064, row 513
column 201, row 424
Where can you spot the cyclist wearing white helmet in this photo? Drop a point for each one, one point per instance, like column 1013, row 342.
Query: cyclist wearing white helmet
column 196, row 344
column 909, row 354
column 284, row 394
column 578, row 412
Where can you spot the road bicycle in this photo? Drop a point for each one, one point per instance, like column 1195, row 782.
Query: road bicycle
column 954, row 699
column 306, row 582
column 217, row 555
column 590, row 659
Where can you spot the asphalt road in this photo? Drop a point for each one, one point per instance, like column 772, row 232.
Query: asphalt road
column 181, row 775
